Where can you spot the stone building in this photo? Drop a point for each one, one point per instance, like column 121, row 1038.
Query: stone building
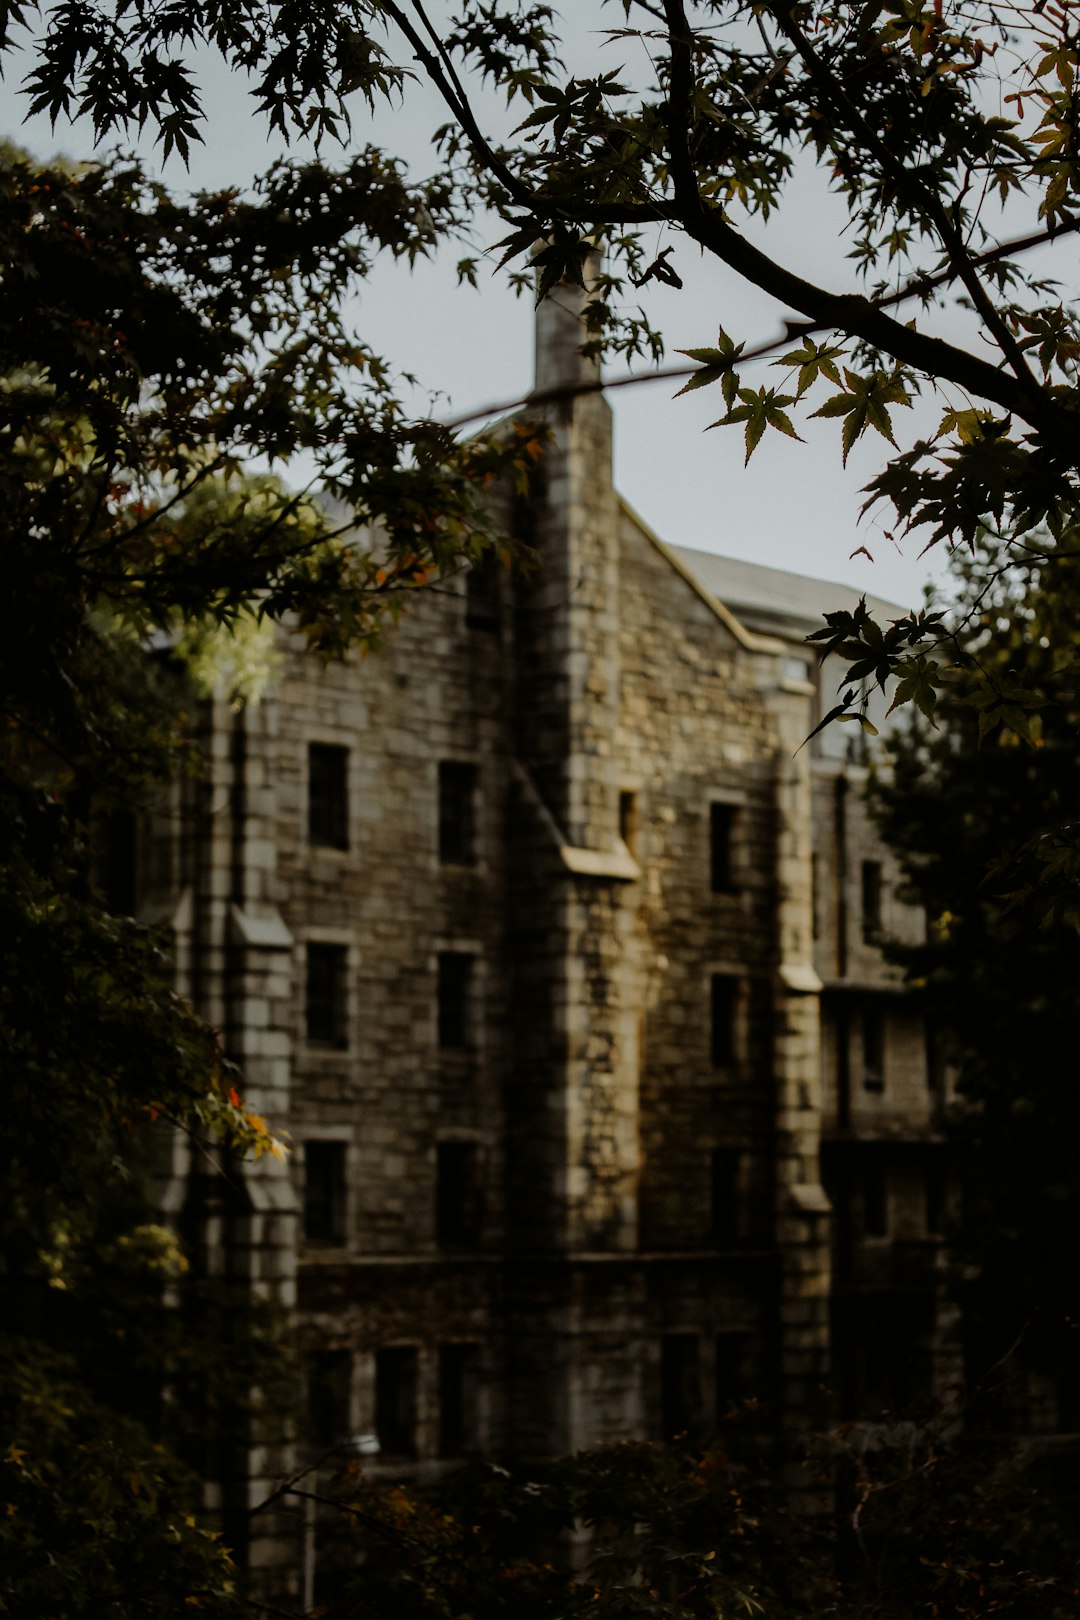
column 556, row 954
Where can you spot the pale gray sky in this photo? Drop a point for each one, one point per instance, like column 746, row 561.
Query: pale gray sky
column 794, row 507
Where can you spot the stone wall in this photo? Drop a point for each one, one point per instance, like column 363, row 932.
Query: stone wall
column 654, row 927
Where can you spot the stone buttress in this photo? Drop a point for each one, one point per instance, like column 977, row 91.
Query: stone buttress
column 572, row 1099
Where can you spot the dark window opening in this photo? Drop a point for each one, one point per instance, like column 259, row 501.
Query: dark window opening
column 328, row 1398
column 324, row 1192
column 873, row 1049
column 843, row 1068
column 458, row 1194
column 325, row 1002
column 724, row 1196
column 815, row 896
column 395, row 1401
column 457, row 813
column 482, row 595
column 680, row 1384
column 893, row 1367
column 871, row 901
column 119, row 862
column 722, row 847
column 875, row 1202
column 455, row 988
column 724, row 991
column 328, row 796
column 935, row 1063
column 458, row 1368
column 729, row 1373
column 628, row 820
column 935, row 1193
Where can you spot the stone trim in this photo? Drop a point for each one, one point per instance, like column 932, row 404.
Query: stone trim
column 616, row 864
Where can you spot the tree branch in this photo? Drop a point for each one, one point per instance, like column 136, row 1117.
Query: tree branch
column 680, row 109
column 551, row 396
column 839, row 312
column 903, row 181
column 915, row 288
column 462, row 111
column 849, row 313
column 919, row 284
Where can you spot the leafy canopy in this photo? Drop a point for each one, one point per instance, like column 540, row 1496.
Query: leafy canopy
column 981, row 813
column 948, row 128
column 150, row 349
column 941, row 1525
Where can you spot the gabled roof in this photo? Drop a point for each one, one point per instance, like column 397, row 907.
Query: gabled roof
column 772, row 601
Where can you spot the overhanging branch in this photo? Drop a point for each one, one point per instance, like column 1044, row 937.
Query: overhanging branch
column 847, row 313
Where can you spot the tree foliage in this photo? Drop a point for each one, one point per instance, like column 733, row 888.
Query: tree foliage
column 948, row 129
column 149, row 350
column 960, row 1530
column 981, row 813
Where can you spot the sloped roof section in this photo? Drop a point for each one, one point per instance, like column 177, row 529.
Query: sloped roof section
column 772, row 601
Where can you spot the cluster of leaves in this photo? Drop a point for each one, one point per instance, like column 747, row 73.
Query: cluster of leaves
column 957, row 1528
column 149, row 348
column 638, row 1529
column 981, row 811
column 97, row 1517
column 123, row 1379
column 932, row 121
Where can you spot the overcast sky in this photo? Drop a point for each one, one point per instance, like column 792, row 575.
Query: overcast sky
column 794, row 507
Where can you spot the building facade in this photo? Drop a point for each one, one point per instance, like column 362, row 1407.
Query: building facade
column 556, row 953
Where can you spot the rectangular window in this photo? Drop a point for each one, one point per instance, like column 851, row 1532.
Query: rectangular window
column 680, row 1384
column 328, row 1398
column 457, row 813
column 458, row 1194
column 724, row 1196
column 328, row 796
column 815, row 895
column 871, row 901
column 458, row 1368
column 395, row 1400
column 722, row 847
column 324, row 1192
column 481, row 595
column 119, row 862
column 729, row 1372
column 724, row 989
column 325, row 1004
column 875, row 1202
column 873, row 1049
column 628, row 820
column 935, row 1193
column 455, row 995
column 935, row 1063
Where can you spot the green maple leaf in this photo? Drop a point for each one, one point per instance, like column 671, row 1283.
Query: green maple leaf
column 865, row 403
column 814, row 360
column 759, row 409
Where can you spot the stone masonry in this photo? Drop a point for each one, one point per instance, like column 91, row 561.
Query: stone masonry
column 555, row 953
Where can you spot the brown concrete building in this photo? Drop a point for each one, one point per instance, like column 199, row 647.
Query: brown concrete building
column 557, row 955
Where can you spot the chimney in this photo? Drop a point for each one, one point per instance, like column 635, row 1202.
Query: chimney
column 560, row 332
